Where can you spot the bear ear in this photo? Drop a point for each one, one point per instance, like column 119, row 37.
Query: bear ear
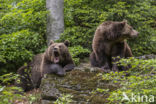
column 124, row 20
column 123, row 23
column 66, row 42
column 51, row 42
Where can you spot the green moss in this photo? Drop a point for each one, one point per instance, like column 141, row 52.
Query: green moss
column 81, row 84
column 98, row 99
column 66, row 90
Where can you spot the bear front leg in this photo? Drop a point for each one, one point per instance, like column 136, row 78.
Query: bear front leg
column 69, row 67
column 128, row 52
column 53, row 68
column 93, row 60
column 106, row 63
column 57, row 69
column 101, row 61
column 106, row 67
column 118, row 51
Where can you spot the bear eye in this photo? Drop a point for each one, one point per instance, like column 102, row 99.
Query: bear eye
column 60, row 46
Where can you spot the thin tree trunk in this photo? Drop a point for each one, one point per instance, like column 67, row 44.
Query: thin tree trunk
column 55, row 20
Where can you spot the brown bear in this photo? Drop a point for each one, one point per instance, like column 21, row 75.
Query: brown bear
column 56, row 59
column 110, row 41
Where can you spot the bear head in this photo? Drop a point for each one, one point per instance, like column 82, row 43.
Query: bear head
column 126, row 31
column 57, row 52
column 119, row 31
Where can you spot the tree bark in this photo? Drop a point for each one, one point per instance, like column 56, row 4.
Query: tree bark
column 55, row 20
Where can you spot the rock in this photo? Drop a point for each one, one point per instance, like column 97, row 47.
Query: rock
column 47, row 102
column 49, row 92
column 146, row 57
column 80, row 83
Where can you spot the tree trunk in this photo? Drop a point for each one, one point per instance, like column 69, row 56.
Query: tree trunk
column 55, row 20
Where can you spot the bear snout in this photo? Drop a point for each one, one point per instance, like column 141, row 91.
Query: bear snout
column 134, row 34
column 55, row 49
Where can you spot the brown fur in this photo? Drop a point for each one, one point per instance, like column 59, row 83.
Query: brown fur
column 31, row 75
column 109, row 41
column 64, row 57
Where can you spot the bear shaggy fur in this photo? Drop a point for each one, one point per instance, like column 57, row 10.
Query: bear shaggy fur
column 110, row 41
column 56, row 59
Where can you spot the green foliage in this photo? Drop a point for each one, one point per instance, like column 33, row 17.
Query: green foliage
column 13, row 48
column 7, row 78
column 83, row 16
column 78, row 53
column 7, row 93
column 77, row 36
column 34, row 98
column 26, row 14
column 140, row 66
column 65, row 99
column 22, row 31
column 10, row 94
column 140, row 80
column 100, row 91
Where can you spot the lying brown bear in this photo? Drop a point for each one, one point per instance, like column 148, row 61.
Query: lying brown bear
column 56, row 59
column 110, row 41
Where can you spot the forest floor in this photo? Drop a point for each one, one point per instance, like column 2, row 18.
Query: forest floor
column 30, row 97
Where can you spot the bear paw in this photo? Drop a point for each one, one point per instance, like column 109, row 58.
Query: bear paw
column 115, row 68
column 106, row 68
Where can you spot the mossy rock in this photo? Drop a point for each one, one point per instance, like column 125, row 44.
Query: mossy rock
column 80, row 83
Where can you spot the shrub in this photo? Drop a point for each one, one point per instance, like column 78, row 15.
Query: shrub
column 19, row 47
column 22, row 31
column 26, row 14
column 7, row 93
column 78, row 53
column 64, row 99
column 78, row 36
column 10, row 94
column 141, row 81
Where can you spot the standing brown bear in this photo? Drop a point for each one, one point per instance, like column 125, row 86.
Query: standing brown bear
column 56, row 59
column 110, row 41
